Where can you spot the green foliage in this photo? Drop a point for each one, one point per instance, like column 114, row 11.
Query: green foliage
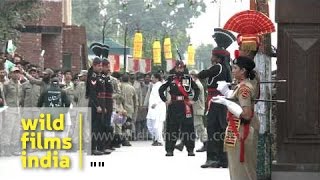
column 14, row 14
column 87, row 13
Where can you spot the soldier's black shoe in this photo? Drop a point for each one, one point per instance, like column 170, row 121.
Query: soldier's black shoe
column 191, row 153
column 97, row 153
column 156, row 143
column 107, row 151
column 117, row 146
column 169, row 154
column 126, row 143
column 210, row 164
column 223, row 164
column 179, row 146
column 203, row 148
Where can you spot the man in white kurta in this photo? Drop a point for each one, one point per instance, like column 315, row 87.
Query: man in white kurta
column 156, row 111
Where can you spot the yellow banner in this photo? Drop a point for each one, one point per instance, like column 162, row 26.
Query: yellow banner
column 167, row 49
column 191, row 53
column 156, row 49
column 137, row 46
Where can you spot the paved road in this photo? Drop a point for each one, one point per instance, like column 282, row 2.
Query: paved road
column 138, row 162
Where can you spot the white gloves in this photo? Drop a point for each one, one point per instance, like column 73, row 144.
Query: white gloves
column 224, row 88
column 233, row 107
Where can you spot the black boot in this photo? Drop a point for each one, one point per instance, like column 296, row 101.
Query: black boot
column 191, row 153
column 203, row 148
column 126, row 143
column 97, row 153
column 169, row 153
column 210, row 164
column 179, row 146
column 223, row 164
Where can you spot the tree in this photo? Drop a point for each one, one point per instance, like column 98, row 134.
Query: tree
column 203, row 55
column 87, row 13
column 14, row 14
column 155, row 18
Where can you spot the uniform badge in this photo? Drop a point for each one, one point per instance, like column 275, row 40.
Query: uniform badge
column 93, row 82
column 94, row 75
column 244, row 91
column 185, row 82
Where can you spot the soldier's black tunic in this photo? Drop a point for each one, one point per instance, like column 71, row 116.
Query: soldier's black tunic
column 216, row 117
column 95, row 91
column 178, row 120
column 108, row 105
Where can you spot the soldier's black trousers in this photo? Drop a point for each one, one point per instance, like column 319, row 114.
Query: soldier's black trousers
column 217, row 123
column 97, row 130
column 178, row 126
column 107, row 143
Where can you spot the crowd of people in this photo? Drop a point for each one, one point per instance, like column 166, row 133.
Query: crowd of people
column 166, row 108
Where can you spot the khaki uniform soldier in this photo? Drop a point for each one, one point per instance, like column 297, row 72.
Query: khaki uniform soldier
column 31, row 92
column 2, row 82
column 129, row 94
column 241, row 137
column 82, row 102
column 11, row 125
column 44, row 83
column 80, row 91
column 30, row 96
column 198, row 113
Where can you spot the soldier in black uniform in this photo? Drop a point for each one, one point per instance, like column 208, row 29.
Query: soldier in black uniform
column 179, row 121
column 95, row 92
column 216, row 113
column 108, row 106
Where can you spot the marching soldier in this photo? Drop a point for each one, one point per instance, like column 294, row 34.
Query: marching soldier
column 216, row 113
column 179, row 112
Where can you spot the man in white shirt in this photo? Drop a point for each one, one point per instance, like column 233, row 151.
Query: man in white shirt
column 156, row 111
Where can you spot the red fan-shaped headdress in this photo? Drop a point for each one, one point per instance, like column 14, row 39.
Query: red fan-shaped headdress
column 250, row 22
column 250, row 25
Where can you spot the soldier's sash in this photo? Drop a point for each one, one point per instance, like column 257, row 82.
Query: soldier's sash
column 232, row 131
column 186, row 100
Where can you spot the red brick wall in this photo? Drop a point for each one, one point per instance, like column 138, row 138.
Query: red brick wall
column 73, row 38
column 29, row 47
column 52, row 44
